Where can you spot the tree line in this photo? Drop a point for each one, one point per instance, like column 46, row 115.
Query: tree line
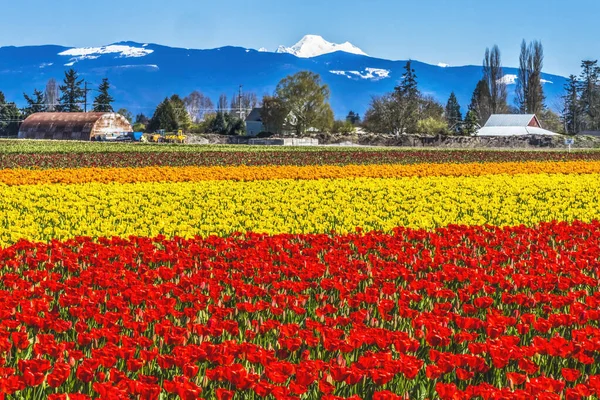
column 406, row 110
column 300, row 103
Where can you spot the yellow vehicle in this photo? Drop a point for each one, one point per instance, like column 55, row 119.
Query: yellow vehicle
column 161, row 136
column 175, row 138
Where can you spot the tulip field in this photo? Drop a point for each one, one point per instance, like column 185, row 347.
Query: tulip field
column 227, row 272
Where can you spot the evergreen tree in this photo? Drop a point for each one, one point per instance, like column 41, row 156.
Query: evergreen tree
column 103, row 102
column 72, row 94
column 125, row 112
column 453, row 114
column 571, row 114
column 353, row 118
column 35, row 103
column 590, row 95
column 141, row 119
column 407, row 96
column 10, row 117
column 164, row 118
column 470, row 125
column 480, row 101
column 182, row 116
column 220, row 124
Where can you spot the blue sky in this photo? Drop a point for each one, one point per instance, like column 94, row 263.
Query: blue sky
column 453, row 32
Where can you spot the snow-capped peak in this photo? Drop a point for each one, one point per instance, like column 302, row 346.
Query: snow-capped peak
column 314, row 45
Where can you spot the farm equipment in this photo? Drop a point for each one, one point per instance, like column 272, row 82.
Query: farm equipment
column 162, row 137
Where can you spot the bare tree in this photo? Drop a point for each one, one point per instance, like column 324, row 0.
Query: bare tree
column 222, row 104
column 530, row 94
column 493, row 76
column 535, row 98
column 51, row 95
column 522, row 91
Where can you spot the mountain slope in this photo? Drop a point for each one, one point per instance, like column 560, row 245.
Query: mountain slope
column 142, row 75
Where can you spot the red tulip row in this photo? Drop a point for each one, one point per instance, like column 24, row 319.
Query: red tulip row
column 461, row 312
column 322, row 157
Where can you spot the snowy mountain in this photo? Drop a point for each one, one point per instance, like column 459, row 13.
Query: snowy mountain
column 142, row 75
column 314, row 46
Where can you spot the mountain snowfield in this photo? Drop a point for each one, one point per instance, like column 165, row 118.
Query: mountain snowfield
column 314, row 46
column 143, row 74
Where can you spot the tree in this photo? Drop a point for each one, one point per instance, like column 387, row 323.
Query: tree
column 493, row 76
column 453, row 114
column 529, row 91
column 551, row 121
column 432, row 126
column 407, row 96
column 181, row 115
column 384, row 115
column 10, row 117
column 35, row 103
column 103, row 102
column 125, row 112
column 142, row 119
column 273, row 114
column 222, row 104
column 571, row 113
column 164, row 118
column 220, row 124
column 198, row 106
column 480, row 102
column 51, row 95
column 470, row 125
column 590, row 95
column 306, row 98
column 345, row 127
column 353, row 118
column 72, row 94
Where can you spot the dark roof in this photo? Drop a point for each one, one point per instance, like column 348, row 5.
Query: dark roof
column 254, row 115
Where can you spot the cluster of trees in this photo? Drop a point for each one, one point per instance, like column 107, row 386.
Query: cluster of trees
column 581, row 101
column 71, row 96
column 406, row 110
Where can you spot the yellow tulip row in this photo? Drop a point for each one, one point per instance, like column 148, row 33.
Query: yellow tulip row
column 252, row 173
column 44, row 212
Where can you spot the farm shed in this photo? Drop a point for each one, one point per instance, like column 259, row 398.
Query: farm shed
column 513, row 125
column 73, row 126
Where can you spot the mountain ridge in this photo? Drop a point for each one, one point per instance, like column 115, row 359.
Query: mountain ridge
column 143, row 74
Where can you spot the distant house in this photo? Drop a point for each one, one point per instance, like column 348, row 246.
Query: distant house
column 513, row 125
column 254, row 124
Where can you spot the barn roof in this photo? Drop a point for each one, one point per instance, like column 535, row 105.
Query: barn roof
column 63, row 118
column 510, row 120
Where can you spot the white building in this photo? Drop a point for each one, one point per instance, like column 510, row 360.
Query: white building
column 513, row 125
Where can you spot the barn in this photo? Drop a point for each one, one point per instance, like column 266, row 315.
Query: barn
column 513, row 125
column 73, row 126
